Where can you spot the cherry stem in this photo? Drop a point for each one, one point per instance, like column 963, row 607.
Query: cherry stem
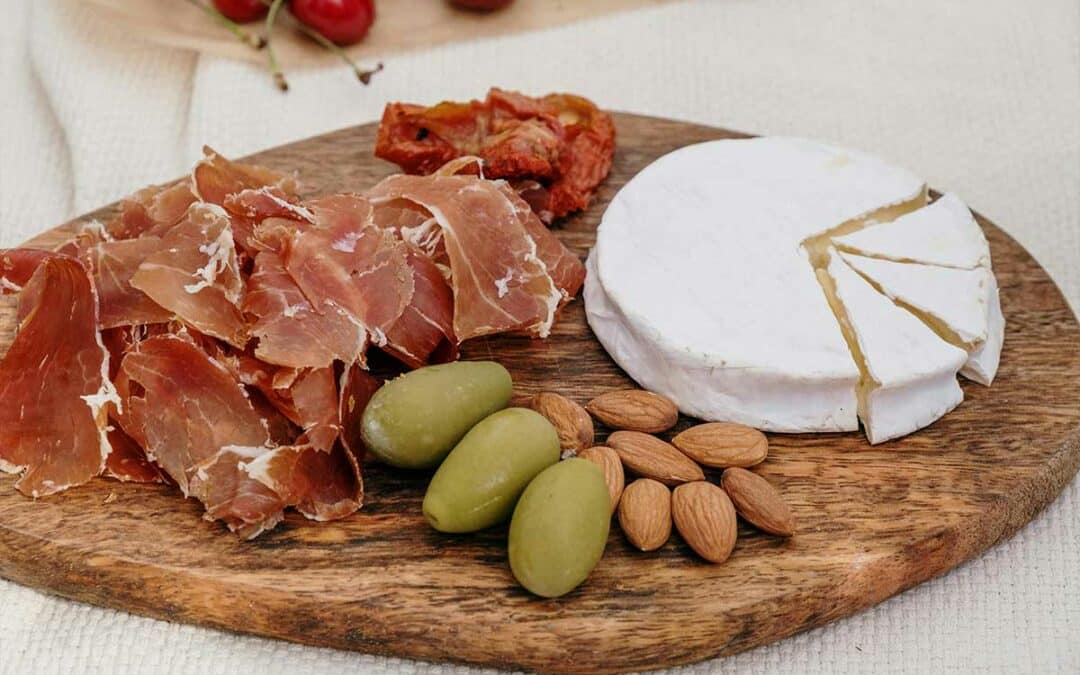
column 364, row 75
column 275, row 69
column 253, row 41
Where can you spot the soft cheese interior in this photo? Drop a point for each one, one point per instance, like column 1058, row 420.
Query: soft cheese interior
column 711, row 282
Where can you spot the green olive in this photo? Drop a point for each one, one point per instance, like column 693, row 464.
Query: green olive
column 560, row 528
column 481, row 479
column 414, row 421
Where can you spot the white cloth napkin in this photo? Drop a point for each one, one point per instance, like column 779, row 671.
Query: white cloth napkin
column 980, row 97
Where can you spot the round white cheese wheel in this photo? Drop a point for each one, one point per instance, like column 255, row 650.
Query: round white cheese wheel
column 702, row 284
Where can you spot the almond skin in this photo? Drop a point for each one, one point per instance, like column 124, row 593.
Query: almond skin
column 650, row 457
column 705, row 518
column 634, row 410
column 571, row 422
column 723, row 444
column 758, row 502
column 611, row 466
column 645, row 514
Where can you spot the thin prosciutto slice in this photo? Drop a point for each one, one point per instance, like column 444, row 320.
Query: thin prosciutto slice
column 500, row 281
column 54, row 385
column 322, row 485
column 18, row 265
column 151, row 210
column 114, row 263
column 196, row 275
column 128, row 462
column 289, row 329
column 424, row 333
column 224, row 486
column 215, row 178
column 357, row 388
column 346, row 264
column 562, row 265
column 187, row 406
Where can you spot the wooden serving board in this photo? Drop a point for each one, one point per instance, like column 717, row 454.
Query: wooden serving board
column 872, row 521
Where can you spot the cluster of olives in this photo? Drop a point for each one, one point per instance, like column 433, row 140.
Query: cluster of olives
column 493, row 463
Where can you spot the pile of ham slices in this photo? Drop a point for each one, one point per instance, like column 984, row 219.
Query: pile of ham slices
column 214, row 334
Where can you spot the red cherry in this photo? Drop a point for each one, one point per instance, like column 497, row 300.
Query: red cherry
column 241, row 11
column 344, row 22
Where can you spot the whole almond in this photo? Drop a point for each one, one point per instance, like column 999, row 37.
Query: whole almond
column 571, row 422
column 651, row 457
column 723, row 444
column 611, row 466
column 645, row 514
column 634, row 410
column 705, row 518
column 758, row 502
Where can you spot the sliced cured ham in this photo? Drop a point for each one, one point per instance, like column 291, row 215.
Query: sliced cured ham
column 152, row 210
column 424, row 333
column 222, row 483
column 114, row 263
column 499, row 280
column 251, row 207
column 17, row 265
column 565, row 268
column 310, row 400
column 187, row 406
column 322, row 485
column 128, row 462
column 289, row 329
column 346, row 264
column 196, row 275
column 213, row 334
column 357, row 388
column 214, row 178
column 54, row 383
column 264, row 202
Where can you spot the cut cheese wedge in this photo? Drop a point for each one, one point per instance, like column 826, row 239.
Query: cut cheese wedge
column 954, row 302
column 982, row 364
column 700, row 287
column 909, row 372
column 944, row 233
column 961, row 306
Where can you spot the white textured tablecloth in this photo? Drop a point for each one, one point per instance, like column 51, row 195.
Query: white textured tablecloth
column 979, row 96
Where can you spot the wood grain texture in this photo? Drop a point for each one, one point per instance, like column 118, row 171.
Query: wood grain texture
column 872, row 521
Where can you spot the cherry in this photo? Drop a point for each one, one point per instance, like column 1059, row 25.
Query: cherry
column 481, row 5
column 241, row 11
column 344, row 22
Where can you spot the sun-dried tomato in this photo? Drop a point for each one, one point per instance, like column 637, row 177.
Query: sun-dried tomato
column 556, row 149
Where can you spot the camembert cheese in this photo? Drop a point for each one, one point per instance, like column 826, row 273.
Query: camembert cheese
column 709, row 284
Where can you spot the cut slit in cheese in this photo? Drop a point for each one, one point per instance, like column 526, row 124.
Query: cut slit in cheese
column 953, row 302
column 817, row 246
column 944, row 233
column 909, row 372
column 961, row 306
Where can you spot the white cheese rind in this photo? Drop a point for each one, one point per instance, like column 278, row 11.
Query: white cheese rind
column 982, row 364
column 913, row 370
column 762, row 398
column 943, row 233
column 958, row 298
column 700, row 289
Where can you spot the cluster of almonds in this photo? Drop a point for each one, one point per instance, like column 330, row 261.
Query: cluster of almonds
column 703, row 513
